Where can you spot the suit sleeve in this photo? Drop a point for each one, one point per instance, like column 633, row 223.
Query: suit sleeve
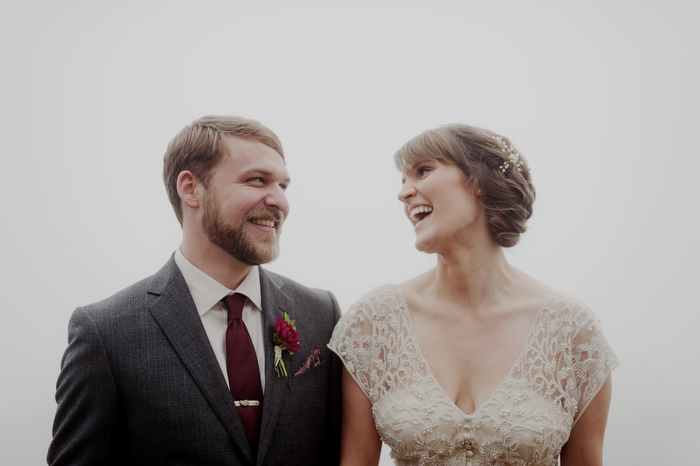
column 87, row 426
column 331, row 453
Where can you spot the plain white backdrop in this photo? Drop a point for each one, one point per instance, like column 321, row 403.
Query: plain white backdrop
column 601, row 97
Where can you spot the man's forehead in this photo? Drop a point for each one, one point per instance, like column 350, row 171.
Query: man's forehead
column 253, row 161
column 237, row 143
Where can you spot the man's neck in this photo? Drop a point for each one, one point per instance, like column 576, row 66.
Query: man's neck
column 216, row 263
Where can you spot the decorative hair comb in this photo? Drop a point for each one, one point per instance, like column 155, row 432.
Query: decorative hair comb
column 512, row 154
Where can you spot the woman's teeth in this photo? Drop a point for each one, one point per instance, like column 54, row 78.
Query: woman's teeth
column 416, row 214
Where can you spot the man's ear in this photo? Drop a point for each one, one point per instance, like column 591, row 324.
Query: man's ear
column 189, row 189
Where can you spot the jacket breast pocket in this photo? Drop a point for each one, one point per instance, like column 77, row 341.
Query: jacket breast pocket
column 309, row 390
column 303, row 419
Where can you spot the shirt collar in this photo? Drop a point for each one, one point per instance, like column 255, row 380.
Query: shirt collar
column 207, row 292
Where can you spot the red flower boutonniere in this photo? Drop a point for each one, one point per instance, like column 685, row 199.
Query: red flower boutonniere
column 286, row 337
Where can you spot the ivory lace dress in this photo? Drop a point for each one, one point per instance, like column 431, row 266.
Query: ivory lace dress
column 527, row 419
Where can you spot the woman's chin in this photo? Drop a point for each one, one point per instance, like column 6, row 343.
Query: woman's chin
column 424, row 244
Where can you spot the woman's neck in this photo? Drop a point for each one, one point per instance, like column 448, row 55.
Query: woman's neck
column 472, row 276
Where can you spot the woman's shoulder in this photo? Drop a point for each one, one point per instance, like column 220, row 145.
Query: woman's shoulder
column 571, row 316
column 377, row 302
column 379, row 292
column 559, row 303
column 368, row 323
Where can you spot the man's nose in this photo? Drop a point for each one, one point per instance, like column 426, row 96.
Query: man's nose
column 277, row 199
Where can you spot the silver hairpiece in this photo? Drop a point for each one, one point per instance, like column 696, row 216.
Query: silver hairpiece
column 512, row 154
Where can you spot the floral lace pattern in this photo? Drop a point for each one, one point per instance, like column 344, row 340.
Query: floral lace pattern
column 527, row 419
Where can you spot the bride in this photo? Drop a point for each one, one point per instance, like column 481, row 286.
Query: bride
column 472, row 362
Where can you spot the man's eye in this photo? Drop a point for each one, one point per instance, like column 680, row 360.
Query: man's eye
column 422, row 171
column 257, row 180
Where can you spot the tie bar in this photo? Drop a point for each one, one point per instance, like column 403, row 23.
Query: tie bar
column 247, row 403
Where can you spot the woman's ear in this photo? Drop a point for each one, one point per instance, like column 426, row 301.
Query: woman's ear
column 187, row 189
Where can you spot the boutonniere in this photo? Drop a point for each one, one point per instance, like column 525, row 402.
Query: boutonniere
column 286, row 338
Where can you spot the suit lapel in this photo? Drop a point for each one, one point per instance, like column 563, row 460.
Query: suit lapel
column 274, row 303
column 172, row 307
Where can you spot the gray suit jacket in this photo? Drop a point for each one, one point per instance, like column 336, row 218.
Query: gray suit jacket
column 140, row 384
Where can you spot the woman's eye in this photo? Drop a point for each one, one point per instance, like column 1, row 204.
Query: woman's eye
column 422, row 171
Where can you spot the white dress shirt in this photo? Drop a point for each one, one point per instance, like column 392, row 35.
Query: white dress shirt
column 207, row 294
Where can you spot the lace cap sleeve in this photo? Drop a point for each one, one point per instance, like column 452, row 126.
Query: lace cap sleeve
column 363, row 335
column 592, row 357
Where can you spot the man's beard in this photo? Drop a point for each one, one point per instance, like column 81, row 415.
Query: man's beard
column 235, row 239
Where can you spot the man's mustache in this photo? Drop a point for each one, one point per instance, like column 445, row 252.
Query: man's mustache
column 265, row 214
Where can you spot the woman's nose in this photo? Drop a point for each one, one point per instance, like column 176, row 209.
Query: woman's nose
column 407, row 191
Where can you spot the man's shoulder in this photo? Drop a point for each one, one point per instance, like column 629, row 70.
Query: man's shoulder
column 138, row 294
column 318, row 298
column 290, row 285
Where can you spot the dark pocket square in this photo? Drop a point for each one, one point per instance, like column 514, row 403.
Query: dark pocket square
column 313, row 360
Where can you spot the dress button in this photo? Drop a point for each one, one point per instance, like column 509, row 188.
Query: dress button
column 469, row 464
column 466, row 427
column 470, row 453
column 467, row 436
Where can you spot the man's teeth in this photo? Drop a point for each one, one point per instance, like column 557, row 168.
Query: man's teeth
column 420, row 210
column 262, row 222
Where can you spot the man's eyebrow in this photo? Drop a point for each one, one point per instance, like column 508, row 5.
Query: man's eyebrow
column 262, row 172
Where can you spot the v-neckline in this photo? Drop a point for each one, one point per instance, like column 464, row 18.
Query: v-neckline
column 429, row 371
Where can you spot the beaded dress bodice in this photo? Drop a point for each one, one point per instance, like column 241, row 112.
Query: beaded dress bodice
column 526, row 420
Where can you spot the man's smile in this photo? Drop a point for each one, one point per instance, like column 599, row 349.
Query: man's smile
column 263, row 222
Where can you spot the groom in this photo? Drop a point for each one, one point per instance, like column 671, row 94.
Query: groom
column 180, row 368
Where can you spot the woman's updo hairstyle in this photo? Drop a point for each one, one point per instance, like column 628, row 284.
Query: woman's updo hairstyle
column 489, row 162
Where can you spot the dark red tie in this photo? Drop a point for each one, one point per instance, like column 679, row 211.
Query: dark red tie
column 243, row 372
